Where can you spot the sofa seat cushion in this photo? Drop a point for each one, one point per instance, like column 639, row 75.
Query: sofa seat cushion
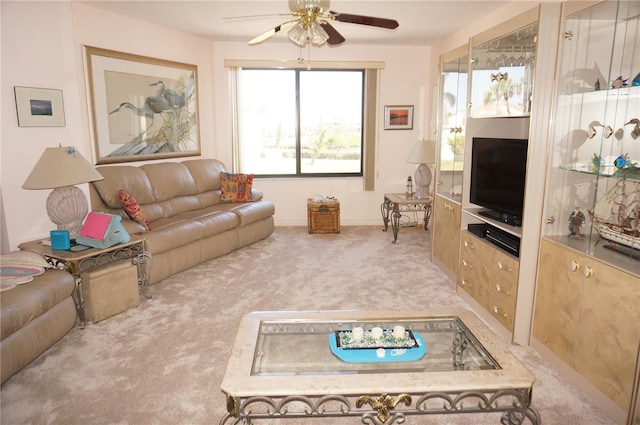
column 213, row 220
column 250, row 212
column 171, row 233
column 25, row 302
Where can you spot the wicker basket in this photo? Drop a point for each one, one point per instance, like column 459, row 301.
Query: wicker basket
column 323, row 217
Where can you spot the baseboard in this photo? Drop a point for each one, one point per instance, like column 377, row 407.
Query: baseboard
column 601, row 400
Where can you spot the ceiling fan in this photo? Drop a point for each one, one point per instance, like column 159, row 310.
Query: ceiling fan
column 311, row 23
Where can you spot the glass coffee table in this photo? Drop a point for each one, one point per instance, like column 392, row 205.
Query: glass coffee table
column 297, row 364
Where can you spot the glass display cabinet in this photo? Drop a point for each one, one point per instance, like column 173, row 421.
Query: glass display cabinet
column 454, row 73
column 588, row 280
column 447, row 208
column 502, row 74
column 593, row 195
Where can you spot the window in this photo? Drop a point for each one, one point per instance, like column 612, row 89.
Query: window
column 296, row 122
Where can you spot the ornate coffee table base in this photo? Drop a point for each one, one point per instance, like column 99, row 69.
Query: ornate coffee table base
column 385, row 409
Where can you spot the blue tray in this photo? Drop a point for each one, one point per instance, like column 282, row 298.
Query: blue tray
column 366, row 355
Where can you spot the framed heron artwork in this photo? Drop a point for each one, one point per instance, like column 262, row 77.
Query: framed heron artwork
column 141, row 108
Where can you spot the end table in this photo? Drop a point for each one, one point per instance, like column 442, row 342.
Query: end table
column 93, row 259
column 396, row 203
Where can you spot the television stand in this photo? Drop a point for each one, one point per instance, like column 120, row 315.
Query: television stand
column 510, row 219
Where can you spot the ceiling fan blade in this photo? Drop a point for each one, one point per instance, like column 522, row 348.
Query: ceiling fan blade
column 334, row 36
column 365, row 20
column 247, row 17
column 273, row 31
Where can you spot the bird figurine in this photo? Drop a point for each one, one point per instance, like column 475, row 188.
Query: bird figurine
column 635, row 133
column 175, row 99
column 152, row 105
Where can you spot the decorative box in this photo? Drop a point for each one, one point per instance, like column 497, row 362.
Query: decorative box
column 323, row 216
column 110, row 290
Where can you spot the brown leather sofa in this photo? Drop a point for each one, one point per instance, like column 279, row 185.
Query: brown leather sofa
column 33, row 317
column 181, row 201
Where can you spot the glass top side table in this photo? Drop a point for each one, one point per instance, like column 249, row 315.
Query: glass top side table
column 395, row 204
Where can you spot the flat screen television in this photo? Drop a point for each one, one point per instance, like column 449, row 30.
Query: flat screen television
column 498, row 172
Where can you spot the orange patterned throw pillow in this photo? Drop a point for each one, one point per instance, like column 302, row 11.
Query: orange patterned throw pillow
column 235, row 187
column 133, row 210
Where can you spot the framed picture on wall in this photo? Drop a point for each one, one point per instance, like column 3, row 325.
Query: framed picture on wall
column 39, row 107
column 141, row 108
column 398, row 117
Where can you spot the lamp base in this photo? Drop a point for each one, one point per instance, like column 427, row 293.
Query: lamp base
column 422, row 181
column 67, row 206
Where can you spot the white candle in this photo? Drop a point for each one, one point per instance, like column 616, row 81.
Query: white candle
column 376, row 333
column 357, row 334
column 398, row 332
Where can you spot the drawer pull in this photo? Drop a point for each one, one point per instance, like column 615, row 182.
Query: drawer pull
column 467, row 264
column 503, row 267
column 587, row 271
column 574, row 265
column 468, row 244
column 465, row 283
column 501, row 290
column 499, row 311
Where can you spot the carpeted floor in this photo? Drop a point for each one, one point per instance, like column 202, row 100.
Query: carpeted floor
column 162, row 362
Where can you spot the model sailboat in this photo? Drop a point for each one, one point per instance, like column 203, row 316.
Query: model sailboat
column 616, row 216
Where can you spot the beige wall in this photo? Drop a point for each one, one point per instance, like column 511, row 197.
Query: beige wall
column 42, row 47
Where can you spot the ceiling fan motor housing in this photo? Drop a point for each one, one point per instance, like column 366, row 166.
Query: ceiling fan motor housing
column 297, row 5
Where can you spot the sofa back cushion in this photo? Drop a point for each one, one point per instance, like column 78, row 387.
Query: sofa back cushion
column 161, row 189
column 132, row 179
column 206, row 173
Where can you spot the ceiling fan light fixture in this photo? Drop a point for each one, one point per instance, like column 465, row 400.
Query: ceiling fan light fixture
column 317, row 34
column 297, row 5
column 298, row 34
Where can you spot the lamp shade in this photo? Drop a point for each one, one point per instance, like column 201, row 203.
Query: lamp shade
column 423, row 153
column 59, row 167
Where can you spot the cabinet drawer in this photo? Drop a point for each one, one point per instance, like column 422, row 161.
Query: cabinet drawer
column 504, row 312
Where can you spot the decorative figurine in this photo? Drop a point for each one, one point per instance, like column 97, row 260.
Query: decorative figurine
column 409, row 189
column 596, row 160
column 596, row 86
column 576, row 220
column 619, row 82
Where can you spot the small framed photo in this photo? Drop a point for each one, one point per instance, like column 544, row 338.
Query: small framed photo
column 39, row 107
column 398, row 117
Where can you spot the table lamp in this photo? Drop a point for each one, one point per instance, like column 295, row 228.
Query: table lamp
column 60, row 169
column 423, row 153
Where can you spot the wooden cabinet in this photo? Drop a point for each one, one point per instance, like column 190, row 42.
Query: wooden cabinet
column 446, row 234
column 588, row 314
column 490, row 276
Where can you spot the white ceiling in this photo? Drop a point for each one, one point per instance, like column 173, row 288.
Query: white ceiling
column 421, row 21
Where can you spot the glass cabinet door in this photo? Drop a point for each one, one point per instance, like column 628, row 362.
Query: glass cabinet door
column 502, row 74
column 453, row 108
column 593, row 194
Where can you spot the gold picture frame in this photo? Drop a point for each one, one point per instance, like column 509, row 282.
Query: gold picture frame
column 141, row 108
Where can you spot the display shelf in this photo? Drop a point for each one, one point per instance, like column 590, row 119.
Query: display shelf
column 502, row 74
column 454, row 68
column 595, row 140
column 475, row 212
